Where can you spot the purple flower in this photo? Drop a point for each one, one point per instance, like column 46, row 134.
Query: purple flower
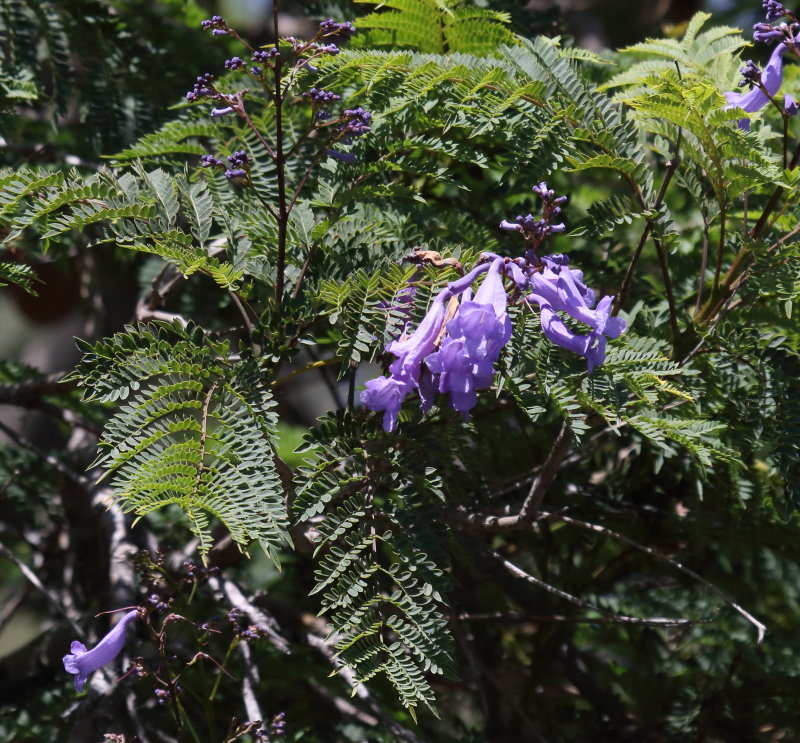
column 387, row 393
column 82, row 662
column 769, row 81
column 790, row 105
column 475, row 337
column 559, row 288
column 412, row 350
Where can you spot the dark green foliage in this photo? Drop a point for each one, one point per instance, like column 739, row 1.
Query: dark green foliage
column 675, row 496
column 381, row 571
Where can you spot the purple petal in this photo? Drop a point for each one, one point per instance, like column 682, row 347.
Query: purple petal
column 385, row 393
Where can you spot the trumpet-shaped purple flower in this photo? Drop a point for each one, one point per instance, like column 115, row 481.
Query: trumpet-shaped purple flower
column 767, row 82
column 475, row 337
column 559, row 288
column 387, row 393
column 82, row 662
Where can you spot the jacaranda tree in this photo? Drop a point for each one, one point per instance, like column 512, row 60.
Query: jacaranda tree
column 550, row 295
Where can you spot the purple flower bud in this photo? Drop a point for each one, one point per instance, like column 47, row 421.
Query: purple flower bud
column 751, row 74
column 343, row 30
column 774, row 10
column 513, row 226
column 235, row 63
column 255, row 70
column 232, row 175
column 767, row 32
column 789, row 105
column 222, row 111
column 219, row 32
column 82, row 662
column 265, row 56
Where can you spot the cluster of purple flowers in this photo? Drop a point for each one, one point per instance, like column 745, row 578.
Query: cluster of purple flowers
column 774, row 10
column 356, row 123
column 203, row 86
column 763, row 85
column 235, row 63
column 240, row 164
column 455, row 347
column 216, row 24
column 345, row 31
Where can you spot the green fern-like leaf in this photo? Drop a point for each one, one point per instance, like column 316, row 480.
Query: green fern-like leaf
column 380, row 568
column 195, row 430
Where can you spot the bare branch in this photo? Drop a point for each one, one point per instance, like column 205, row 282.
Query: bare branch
column 760, row 627
column 609, row 616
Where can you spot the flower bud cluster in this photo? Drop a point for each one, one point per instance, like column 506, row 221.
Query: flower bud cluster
column 344, row 31
column 320, row 100
column 242, row 628
column 240, row 165
column 203, row 87
column 356, row 124
column 194, row 573
column 216, row 24
column 534, row 230
column 165, row 695
column 277, row 729
column 751, row 74
column 265, row 56
column 161, row 603
column 235, row 63
column 455, row 347
column 774, row 10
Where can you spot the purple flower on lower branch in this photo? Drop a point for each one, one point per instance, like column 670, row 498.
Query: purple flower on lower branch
column 559, row 288
column 768, row 81
column 82, row 662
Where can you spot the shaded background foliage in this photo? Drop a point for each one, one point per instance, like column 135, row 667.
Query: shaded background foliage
column 86, row 79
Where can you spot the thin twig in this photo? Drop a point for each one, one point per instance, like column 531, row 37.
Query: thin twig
column 530, row 508
column 672, row 166
column 701, row 280
column 60, row 467
column 760, row 627
column 610, row 616
column 33, row 579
